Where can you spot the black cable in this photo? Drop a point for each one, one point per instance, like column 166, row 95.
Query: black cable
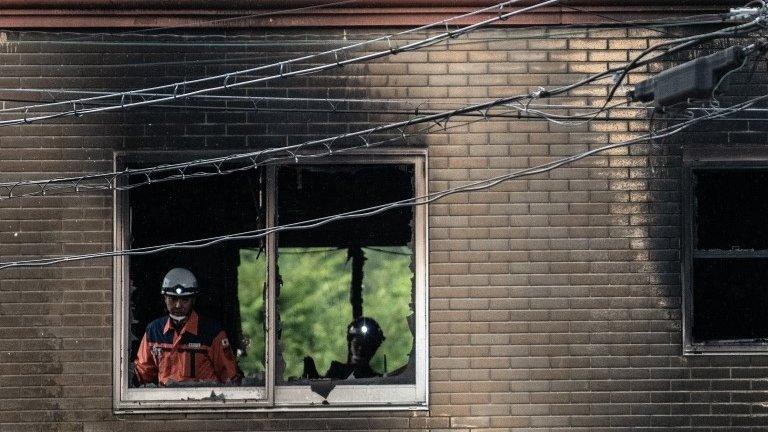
column 479, row 108
column 370, row 211
column 180, row 88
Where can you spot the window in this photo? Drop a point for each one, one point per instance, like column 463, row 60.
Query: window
column 288, row 302
column 725, row 258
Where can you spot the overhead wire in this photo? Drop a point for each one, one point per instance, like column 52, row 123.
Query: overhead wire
column 109, row 179
column 520, row 34
column 112, row 181
column 718, row 114
column 251, row 160
column 533, row 112
column 373, row 210
column 616, row 20
column 686, row 42
column 620, row 73
column 332, row 101
column 179, row 88
column 237, row 18
column 696, row 20
column 137, row 93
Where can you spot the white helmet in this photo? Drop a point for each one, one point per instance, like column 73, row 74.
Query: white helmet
column 179, row 282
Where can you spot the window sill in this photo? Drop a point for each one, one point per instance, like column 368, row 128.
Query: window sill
column 726, row 349
column 227, row 408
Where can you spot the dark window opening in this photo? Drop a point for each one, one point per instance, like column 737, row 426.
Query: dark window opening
column 729, row 264
column 230, row 274
column 731, row 209
column 731, row 299
column 355, row 272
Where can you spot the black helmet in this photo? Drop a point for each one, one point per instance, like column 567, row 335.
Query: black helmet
column 179, row 282
column 367, row 329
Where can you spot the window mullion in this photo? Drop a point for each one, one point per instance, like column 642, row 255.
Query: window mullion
column 271, row 299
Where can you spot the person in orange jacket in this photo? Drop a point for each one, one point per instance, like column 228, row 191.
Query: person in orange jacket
column 184, row 347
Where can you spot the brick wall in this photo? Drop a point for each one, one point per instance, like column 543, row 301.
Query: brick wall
column 554, row 300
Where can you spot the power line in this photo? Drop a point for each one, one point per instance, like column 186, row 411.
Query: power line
column 532, row 112
column 385, row 251
column 370, row 211
column 219, row 165
column 108, row 181
column 683, row 43
column 603, row 16
column 179, row 88
column 239, row 18
column 331, row 102
column 164, row 97
column 692, row 40
column 691, row 20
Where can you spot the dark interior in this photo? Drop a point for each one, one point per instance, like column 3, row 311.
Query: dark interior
column 332, row 189
column 730, row 299
column 731, row 209
column 177, row 211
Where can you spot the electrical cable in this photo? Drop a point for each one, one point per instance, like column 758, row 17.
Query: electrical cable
column 333, row 109
column 692, row 40
column 682, row 43
column 546, row 33
column 166, row 97
column 699, row 19
column 606, row 17
column 678, row 45
column 114, row 181
column 384, row 251
column 722, row 79
column 179, row 88
column 329, row 101
column 522, row 113
column 238, row 18
column 109, row 180
column 370, row 211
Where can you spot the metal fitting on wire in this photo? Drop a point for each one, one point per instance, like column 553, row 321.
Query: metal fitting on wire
column 694, row 79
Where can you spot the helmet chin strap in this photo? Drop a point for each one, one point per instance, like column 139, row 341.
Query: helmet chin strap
column 177, row 318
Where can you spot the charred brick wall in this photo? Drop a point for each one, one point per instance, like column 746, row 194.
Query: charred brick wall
column 554, row 300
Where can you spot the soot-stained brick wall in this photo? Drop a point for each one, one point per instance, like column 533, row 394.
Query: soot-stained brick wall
column 554, row 299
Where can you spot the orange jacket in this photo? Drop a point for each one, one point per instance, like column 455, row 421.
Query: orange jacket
column 200, row 351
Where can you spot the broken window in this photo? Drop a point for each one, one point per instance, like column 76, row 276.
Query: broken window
column 313, row 316
column 727, row 259
column 353, row 270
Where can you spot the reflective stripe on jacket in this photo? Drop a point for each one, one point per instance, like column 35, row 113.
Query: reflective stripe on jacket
column 200, row 351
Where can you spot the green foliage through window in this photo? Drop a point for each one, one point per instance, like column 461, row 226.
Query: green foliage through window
column 315, row 308
column 251, row 277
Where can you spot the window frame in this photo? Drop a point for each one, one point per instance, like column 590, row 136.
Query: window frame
column 273, row 397
column 702, row 159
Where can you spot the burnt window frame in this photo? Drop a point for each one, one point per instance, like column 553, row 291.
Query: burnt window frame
column 712, row 159
column 274, row 396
